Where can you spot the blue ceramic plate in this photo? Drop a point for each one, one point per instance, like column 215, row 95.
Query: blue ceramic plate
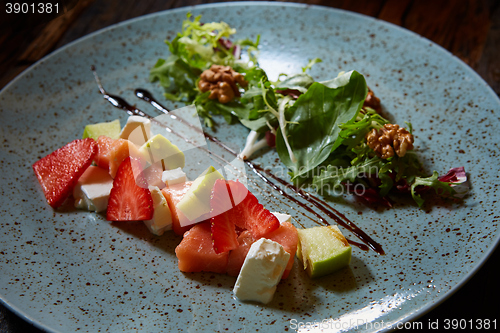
column 67, row 270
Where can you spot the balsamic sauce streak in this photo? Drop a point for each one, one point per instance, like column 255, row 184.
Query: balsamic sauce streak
column 334, row 214
column 340, row 218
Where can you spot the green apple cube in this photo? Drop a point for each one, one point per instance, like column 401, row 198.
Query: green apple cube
column 196, row 202
column 110, row 129
column 159, row 148
column 323, row 250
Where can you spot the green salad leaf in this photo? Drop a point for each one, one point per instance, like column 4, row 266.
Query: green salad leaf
column 310, row 64
column 177, row 78
column 441, row 188
column 300, row 82
column 199, row 45
column 314, row 121
column 334, row 175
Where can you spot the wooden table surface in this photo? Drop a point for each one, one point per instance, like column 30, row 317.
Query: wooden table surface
column 470, row 29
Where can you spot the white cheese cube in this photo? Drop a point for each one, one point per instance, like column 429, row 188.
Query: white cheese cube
column 92, row 189
column 162, row 217
column 137, row 130
column 283, row 217
column 174, row 176
column 261, row 271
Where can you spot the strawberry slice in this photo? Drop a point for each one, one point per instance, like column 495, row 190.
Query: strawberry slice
column 129, row 199
column 59, row 171
column 244, row 212
column 224, row 235
column 252, row 216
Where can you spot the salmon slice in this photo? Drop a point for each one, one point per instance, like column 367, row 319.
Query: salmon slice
column 196, row 253
column 111, row 153
column 237, row 256
column 288, row 237
column 174, row 194
column 104, row 144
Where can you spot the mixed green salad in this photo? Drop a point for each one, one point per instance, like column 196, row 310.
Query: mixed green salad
column 321, row 130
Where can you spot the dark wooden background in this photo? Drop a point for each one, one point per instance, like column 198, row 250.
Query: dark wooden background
column 470, row 29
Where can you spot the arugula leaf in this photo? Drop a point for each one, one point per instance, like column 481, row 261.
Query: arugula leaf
column 253, row 97
column 334, row 176
column 314, row 121
column 354, row 131
column 386, row 184
column 441, row 188
column 311, row 63
column 260, row 124
column 177, row 78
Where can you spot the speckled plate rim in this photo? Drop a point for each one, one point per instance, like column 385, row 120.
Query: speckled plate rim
column 439, row 300
column 405, row 317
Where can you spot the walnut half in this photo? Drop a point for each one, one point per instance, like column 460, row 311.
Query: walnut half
column 389, row 139
column 221, row 82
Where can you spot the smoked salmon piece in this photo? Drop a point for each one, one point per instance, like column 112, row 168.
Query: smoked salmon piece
column 174, row 194
column 237, row 256
column 196, row 252
column 111, row 153
column 104, row 144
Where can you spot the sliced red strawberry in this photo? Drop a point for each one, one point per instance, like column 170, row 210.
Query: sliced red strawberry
column 247, row 214
column 58, row 172
column 224, row 235
column 251, row 214
column 127, row 200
